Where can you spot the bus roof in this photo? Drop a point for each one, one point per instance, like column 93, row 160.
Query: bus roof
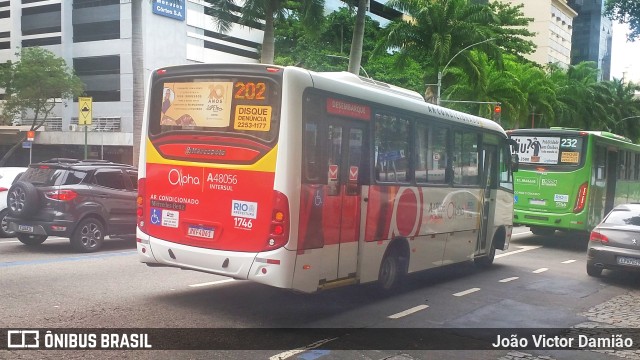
column 570, row 131
column 394, row 96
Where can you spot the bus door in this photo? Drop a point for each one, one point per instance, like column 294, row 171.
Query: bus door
column 346, row 144
column 489, row 181
column 612, row 176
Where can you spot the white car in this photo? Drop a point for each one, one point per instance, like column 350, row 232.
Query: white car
column 8, row 176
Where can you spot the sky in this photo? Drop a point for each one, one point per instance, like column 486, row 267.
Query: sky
column 625, row 56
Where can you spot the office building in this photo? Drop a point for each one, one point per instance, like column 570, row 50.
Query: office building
column 592, row 35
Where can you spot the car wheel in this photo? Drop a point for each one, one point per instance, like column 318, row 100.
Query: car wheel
column 487, row 260
column 31, row 240
column 4, row 225
column 22, row 199
column 593, row 270
column 88, row 236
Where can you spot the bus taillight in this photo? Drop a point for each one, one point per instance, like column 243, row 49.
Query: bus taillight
column 279, row 229
column 581, row 199
column 140, row 203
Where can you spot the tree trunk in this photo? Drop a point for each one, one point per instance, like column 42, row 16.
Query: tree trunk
column 137, row 66
column 268, row 51
column 355, row 56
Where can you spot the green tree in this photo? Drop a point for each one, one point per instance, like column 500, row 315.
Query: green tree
column 437, row 32
column 326, row 50
column 625, row 109
column 582, row 101
column 271, row 11
column 626, row 11
column 492, row 86
column 34, row 85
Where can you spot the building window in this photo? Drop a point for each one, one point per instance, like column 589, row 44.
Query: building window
column 54, row 40
column 41, row 19
column 96, row 20
column 101, row 75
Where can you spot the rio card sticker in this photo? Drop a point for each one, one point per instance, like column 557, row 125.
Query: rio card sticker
column 204, row 104
column 333, row 172
column 254, row 118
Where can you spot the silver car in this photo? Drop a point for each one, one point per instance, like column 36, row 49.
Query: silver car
column 615, row 242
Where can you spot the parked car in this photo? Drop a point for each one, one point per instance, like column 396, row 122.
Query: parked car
column 8, row 176
column 615, row 242
column 83, row 200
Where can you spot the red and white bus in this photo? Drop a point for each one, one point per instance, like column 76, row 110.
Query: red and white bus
column 306, row 180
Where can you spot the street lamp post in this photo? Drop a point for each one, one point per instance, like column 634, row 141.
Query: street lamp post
column 445, row 67
column 615, row 124
column 344, row 57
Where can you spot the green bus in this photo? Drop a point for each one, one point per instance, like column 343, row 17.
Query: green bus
column 570, row 179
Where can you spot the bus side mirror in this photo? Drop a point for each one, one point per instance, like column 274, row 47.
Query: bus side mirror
column 515, row 162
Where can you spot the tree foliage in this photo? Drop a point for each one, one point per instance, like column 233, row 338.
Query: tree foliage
column 34, row 85
column 225, row 13
column 626, row 11
column 438, row 33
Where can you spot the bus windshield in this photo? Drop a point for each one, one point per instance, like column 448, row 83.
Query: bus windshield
column 549, row 150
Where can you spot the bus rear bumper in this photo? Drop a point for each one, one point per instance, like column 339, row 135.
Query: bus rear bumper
column 273, row 268
column 568, row 221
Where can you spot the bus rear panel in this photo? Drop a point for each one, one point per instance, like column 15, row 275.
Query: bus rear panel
column 206, row 191
column 551, row 186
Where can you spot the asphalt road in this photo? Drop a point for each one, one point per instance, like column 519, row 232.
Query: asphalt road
column 539, row 282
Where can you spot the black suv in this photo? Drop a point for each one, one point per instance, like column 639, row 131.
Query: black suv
column 83, row 200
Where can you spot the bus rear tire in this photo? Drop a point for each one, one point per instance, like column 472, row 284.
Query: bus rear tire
column 542, row 231
column 391, row 272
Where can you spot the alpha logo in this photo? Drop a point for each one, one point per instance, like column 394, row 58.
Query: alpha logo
column 549, row 182
column 177, row 178
column 23, row 339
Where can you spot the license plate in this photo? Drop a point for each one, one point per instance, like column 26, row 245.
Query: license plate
column 25, row 228
column 202, row 232
column 537, row 202
column 622, row 260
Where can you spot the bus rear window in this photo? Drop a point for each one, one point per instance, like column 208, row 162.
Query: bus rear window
column 243, row 105
column 549, row 150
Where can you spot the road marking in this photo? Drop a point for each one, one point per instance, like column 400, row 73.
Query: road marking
column 522, row 249
column 48, row 239
column 466, row 292
column 541, row 270
column 290, row 353
column 509, row 279
column 408, row 312
column 74, row 258
column 211, row 283
column 568, row 261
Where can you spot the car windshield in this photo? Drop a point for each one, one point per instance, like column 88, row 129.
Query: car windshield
column 623, row 217
column 52, row 176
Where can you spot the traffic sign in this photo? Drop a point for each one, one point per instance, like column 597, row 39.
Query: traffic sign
column 31, row 135
column 85, row 110
column 26, row 144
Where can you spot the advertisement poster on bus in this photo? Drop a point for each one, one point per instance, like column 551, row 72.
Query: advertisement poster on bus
column 205, row 104
column 537, row 149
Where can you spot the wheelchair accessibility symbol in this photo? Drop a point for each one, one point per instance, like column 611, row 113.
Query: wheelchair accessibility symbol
column 156, row 216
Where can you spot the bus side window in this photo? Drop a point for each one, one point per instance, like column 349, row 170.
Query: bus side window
column 312, row 166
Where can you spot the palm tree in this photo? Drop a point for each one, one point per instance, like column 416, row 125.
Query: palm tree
column 434, row 31
column 625, row 109
column 355, row 56
column 271, row 11
column 491, row 86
